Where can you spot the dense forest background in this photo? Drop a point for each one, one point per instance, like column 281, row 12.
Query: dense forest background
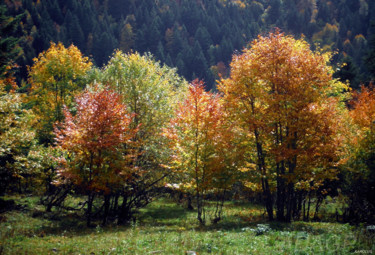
column 198, row 37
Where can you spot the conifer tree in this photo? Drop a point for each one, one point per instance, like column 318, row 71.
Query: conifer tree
column 9, row 48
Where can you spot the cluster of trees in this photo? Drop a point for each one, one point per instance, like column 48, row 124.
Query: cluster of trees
column 109, row 142
column 281, row 126
column 197, row 37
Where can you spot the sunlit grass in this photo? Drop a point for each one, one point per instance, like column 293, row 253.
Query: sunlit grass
column 167, row 228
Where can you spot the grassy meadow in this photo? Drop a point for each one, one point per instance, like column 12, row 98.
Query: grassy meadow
column 164, row 227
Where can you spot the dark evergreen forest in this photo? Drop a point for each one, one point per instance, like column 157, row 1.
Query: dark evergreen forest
column 198, row 37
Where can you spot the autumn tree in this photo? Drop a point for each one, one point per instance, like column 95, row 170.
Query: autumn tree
column 55, row 77
column 93, row 142
column 282, row 94
column 17, row 137
column 150, row 91
column 201, row 142
column 359, row 174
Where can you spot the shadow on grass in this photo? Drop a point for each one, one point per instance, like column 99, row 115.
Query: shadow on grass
column 62, row 223
column 162, row 214
column 167, row 216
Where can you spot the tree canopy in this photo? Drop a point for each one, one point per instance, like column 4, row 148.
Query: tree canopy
column 56, row 75
column 281, row 92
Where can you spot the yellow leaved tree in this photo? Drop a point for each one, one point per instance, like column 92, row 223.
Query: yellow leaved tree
column 55, row 77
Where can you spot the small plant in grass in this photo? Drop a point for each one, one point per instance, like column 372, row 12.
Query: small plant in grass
column 262, row 228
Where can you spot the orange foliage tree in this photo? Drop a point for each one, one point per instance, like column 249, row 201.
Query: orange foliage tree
column 93, row 141
column 359, row 176
column 363, row 104
column 201, row 140
column 282, row 94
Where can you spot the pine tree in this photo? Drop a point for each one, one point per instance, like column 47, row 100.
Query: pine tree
column 55, row 11
column 117, row 8
column 9, row 49
column 126, row 42
column 76, row 33
column 203, row 37
column 348, row 73
column 199, row 61
column 160, row 52
column 370, row 57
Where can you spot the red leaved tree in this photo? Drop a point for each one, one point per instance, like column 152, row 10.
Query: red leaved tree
column 93, row 141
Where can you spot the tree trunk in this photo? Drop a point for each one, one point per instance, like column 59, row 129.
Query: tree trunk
column 304, row 209
column 290, row 203
column 219, row 208
column 291, row 196
column 269, row 200
column 308, row 207
column 265, row 185
column 90, row 199
column 200, row 216
column 124, row 214
column 189, row 202
column 115, row 203
column 299, row 205
column 280, row 199
column 107, row 199
column 318, row 204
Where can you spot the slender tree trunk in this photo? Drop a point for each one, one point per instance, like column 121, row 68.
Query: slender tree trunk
column 280, row 182
column 299, row 205
column 199, row 207
column 262, row 169
column 107, row 200
column 291, row 202
column 281, row 193
column 304, row 209
column 115, row 203
column 265, row 185
column 196, row 165
column 189, row 202
column 90, row 196
column 269, row 200
column 219, row 208
column 308, row 207
column 90, row 200
column 292, row 164
column 318, row 203
column 124, row 213
column 295, row 206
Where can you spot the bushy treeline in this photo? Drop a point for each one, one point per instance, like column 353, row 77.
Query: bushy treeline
column 197, row 37
column 281, row 128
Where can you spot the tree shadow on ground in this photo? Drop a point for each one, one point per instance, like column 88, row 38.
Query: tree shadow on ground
column 162, row 215
column 165, row 215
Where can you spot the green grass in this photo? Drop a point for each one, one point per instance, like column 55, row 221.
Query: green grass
column 166, row 228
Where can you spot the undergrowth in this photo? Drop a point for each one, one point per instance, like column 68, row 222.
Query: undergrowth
column 164, row 227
